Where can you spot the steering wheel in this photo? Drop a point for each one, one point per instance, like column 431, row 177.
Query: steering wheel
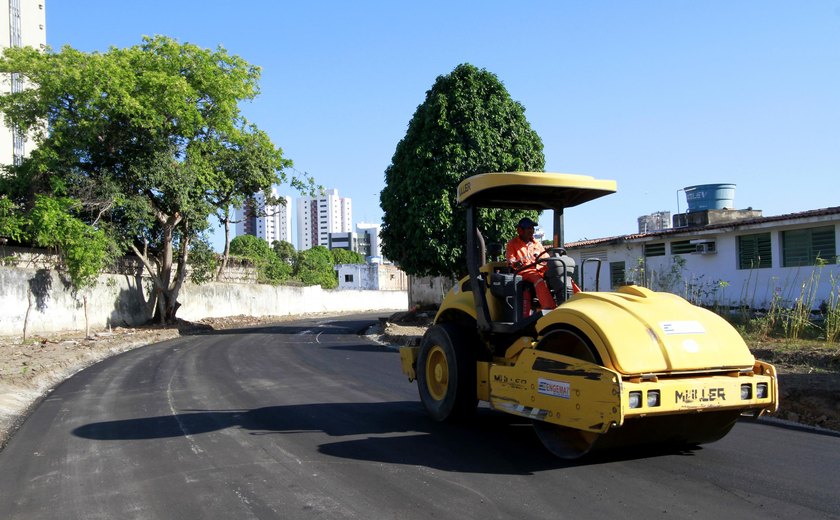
column 536, row 262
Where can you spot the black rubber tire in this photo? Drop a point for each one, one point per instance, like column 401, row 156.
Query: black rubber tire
column 446, row 372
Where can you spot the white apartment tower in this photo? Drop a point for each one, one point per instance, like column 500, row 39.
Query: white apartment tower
column 22, row 24
column 317, row 217
column 269, row 222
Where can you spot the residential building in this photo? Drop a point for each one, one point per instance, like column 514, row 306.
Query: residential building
column 374, row 277
column 365, row 241
column 734, row 258
column 22, row 24
column 350, row 241
column 317, row 217
column 267, row 221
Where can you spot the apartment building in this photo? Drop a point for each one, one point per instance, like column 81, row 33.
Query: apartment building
column 22, row 24
column 317, row 217
column 365, row 241
column 267, row 221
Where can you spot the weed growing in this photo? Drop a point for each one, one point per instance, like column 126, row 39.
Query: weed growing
column 787, row 312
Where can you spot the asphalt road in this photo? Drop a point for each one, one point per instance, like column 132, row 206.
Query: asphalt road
column 309, row 419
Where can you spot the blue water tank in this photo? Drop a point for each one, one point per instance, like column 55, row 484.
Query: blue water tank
column 710, row 196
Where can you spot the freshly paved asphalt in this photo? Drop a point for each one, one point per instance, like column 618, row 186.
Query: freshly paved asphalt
column 309, row 419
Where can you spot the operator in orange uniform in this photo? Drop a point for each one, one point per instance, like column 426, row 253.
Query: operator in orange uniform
column 524, row 250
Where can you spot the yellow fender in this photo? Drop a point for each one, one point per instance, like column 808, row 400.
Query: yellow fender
column 636, row 330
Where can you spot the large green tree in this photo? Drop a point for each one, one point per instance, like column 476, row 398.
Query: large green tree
column 468, row 124
column 145, row 138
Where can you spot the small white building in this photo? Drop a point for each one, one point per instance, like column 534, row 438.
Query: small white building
column 724, row 257
column 373, row 277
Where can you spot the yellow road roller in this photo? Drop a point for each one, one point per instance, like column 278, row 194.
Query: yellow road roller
column 601, row 369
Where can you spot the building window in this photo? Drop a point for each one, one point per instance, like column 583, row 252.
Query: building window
column 617, row 278
column 754, row 251
column 657, row 249
column 348, row 278
column 682, row 247
column 805, row 246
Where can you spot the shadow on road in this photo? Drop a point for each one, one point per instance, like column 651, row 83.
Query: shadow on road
column 396, row 432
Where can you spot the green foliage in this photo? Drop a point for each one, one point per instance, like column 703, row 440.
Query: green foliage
column 345, row 256
column 84, row 251
column 250, row 247
column 831, row 310
column 270, row 268
column 149, row 139
column 285, row 251
column 202, row 261
column 12, row 222
column 315, row 267
column 275, row 271
column 468, row 124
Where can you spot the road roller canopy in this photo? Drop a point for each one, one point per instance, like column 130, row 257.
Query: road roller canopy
column 531, row 190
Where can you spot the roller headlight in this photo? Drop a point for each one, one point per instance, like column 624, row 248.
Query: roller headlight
column 761, row 391
column 635, row 399
column 653, row 398
column 746, row 392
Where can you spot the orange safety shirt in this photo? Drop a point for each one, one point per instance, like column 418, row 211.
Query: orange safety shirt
column 521, row 253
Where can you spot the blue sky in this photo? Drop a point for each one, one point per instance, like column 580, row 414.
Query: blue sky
column 658, row 95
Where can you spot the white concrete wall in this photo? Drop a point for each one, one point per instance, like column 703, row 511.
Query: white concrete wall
column 118, row 300
column 217, row 300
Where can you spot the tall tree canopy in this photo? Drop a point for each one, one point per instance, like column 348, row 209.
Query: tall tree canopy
column 467, row 125
column 149, row 139
column 285, row 250
column 314, row 266
column 270, row 267
column 345, row 256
